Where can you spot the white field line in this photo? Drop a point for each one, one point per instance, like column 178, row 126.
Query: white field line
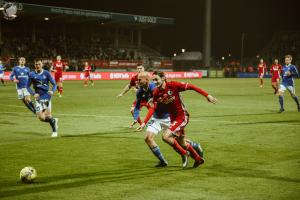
column 127, row 117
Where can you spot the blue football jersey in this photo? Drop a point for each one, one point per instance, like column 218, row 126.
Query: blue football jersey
column 146, row 95
column 21, row 74
column 40, row 82
column 289, row 80
column 1, row 69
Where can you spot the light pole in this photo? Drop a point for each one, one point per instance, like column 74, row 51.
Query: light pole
column 242, row 49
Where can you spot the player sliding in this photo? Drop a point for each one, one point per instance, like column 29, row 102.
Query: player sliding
column 288, row 72
column 167, row 94
column 275, row 71
column 58, row 67
column 133, row 84
column 20, row 75
column 159, row 122
column 40, row 79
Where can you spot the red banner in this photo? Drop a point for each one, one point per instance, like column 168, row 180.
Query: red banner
column 118, row 75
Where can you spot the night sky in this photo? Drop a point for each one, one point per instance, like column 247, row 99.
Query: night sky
column 258, row 19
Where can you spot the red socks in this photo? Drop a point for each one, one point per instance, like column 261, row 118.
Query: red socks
column 195, row 155
column 60, row 89
column 179, row 148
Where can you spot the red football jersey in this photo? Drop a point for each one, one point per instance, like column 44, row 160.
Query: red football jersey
column 134, row 81
column 87, row 70
column 171, row 98
column 262, row 68
column 276, row 70
column 58, row 66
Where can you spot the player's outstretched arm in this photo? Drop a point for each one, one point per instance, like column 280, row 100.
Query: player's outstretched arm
column 211, row 99
column 53, row 83
column 12, row 76
column 125, row 90
column 202, row 92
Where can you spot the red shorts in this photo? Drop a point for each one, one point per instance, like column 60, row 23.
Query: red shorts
column 275, row 79
column 58, row 78
column 143, row 104
column 87, row 75
column 178, row 123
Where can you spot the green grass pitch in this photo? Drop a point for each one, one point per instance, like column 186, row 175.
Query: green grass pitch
column 251, row 151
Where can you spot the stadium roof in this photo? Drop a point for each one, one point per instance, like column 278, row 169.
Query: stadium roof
column 72, row 15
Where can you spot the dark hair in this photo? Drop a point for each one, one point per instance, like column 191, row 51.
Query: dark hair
column 38, row 59
column 159, row 73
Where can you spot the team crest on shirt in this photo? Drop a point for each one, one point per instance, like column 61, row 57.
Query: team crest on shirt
column 44, row 77
column 170, row 92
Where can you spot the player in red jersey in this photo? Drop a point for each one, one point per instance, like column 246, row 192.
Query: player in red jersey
column 134, row 84
column 262, row 69
column 168, row 94
column 58, row 67
column 87, row 74
column 275, row 71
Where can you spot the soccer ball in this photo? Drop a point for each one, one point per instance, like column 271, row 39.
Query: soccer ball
column 28, row 175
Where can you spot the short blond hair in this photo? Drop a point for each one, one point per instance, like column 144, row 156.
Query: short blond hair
column 288, row 56
column 144, row 75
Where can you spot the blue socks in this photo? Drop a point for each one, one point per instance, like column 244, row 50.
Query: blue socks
column 158, row 154
column 281, row 102
column 30, row 106
column 296, row 100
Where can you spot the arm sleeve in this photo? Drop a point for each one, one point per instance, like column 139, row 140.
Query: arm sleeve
column 29, row 86
column 12, row 74
column 136, row 111
column 52, row 81
column 294, row 72
column 150, row 113
column 132, row 82
column 199, row 90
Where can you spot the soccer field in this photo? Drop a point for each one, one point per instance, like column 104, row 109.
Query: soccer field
column 251, row 151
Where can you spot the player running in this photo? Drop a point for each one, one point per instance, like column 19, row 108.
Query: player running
column 2, row 68
column 20, row 75
column 262, row 69
column 58, row 67
column 288, row 72
column 87, row 74
column 159, row 122
column 275, row 71
column 40, row 79
column 133, row 84
column 168, row 94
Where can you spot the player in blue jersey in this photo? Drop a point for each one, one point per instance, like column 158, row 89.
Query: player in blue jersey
column 289, row 71
column 2, row 68
column 160, row 120
column 40, row 79
column 19, row 75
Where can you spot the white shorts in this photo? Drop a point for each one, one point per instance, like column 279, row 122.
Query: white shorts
column 2, row 75
column 23, row 92
column 290, row 88
column 156, row 125
column 42, row 105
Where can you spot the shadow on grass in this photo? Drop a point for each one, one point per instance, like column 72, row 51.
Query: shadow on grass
column 46, row 184
column 238, row 115
column 130, row 134
column 267, row 122
column 219, row 170
column 8, row 123
column 23, row 133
